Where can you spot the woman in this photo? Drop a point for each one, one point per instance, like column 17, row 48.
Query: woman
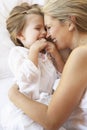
column 66, row 23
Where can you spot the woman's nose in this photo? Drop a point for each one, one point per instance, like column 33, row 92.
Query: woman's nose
column 47, row 35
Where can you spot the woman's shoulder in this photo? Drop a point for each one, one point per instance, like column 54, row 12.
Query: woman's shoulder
column 79, row 55
column 78, row 59
column 76, row 65
column 80, row 50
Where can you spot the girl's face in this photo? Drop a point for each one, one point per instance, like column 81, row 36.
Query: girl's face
column 58, row 31
column 33, row 30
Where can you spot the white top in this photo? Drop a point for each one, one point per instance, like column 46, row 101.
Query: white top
column 38, row 81
column 35, row 82
column 32, row 80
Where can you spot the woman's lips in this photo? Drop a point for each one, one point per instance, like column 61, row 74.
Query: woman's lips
column 54, row 40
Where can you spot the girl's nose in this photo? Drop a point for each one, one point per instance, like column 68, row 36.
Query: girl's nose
column 44, row 33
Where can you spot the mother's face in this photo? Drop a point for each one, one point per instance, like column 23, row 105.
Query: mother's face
column 58, row 31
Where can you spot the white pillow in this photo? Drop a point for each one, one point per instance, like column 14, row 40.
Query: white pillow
column 5, row 42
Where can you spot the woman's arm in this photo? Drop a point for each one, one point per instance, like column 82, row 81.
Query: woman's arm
column 68, row 94
column 56, row 56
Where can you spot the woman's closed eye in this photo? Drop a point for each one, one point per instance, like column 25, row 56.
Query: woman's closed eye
column 48, row 27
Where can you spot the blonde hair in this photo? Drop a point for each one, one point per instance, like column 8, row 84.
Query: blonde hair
column 17, row 19
column 64, row 9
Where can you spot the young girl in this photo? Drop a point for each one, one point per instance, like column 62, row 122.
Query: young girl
column 34, row 71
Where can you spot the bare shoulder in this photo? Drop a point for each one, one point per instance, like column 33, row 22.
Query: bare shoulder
column 76, row 66
column 79, row 54
column 78, row 59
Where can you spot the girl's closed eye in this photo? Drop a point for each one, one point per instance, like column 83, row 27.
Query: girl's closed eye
column 38, row 28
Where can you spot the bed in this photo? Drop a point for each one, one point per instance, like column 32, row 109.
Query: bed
column 6, row 77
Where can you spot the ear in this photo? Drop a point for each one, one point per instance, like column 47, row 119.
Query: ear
column 71, row 27
column 20, row 37
column 71, row 24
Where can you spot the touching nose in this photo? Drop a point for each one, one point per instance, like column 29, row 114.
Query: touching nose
column 44, row 33
column 47, row 35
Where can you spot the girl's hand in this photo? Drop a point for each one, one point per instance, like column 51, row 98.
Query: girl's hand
column 36, row 47
column 39, row 45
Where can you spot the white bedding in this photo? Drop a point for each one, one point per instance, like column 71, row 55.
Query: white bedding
column 5, row 84
column 6, row 45
column 6, row 78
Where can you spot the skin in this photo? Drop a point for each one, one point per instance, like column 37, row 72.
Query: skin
column 72, row 84
column 33, row 30
column 58, row 31
column 33, row 37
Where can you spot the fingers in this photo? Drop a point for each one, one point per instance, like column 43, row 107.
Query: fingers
column 42, row 40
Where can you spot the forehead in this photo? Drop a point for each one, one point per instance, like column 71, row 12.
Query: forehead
column 34, row 18
column 48, row 20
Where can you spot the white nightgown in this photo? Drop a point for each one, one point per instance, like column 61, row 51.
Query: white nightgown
column 35, row 82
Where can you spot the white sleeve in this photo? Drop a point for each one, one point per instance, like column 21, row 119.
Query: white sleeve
column 26, row 73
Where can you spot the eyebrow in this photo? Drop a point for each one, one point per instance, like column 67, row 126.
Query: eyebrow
column 47, row 25
column 39, row 25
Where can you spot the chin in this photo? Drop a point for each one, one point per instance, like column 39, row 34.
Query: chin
column 61, row 47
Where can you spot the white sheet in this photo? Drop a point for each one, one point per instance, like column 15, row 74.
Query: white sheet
column 5, row 84
column 6, row 79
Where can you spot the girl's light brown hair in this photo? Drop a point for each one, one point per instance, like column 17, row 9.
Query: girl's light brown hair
column 64, row 9
column 17, row 19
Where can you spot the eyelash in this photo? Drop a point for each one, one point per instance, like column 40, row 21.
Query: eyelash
column 48, row 28
column 37, row 28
